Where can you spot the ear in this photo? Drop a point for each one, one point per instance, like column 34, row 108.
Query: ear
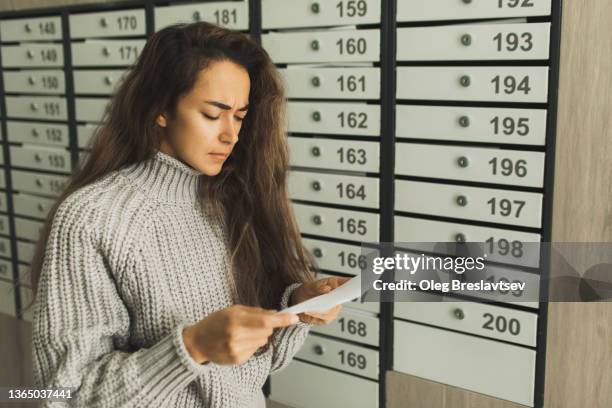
column 162, row 121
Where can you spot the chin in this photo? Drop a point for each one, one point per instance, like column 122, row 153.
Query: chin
column 210, row 171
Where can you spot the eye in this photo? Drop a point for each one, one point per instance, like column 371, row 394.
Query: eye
column 239, row 118
column 210, row 117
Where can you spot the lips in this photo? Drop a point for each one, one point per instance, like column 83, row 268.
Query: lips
column 219, row 155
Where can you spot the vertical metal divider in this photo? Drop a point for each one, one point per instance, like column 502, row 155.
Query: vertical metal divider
column 387, row 170
column 255, row 20
column 149, row 6
column 73, row 144
column 547, row 213
column 9, row 194
column 255, row 32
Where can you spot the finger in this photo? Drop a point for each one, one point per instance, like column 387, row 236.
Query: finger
column 318, row 322
column 280, row 319
column 323, row 314
column 314, row 315
column 337, row 281
column 342, row 280
column 254, row 334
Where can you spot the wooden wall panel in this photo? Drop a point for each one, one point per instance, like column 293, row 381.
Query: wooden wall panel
column 407, row 391
column 579, row 347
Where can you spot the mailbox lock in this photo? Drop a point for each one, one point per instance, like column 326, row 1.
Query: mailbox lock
column 464, row 121
column 466, row 39
column 463, row 161
column 459, row 314
column 462, row 201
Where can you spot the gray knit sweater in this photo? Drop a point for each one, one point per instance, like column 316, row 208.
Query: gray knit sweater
column 131, row 259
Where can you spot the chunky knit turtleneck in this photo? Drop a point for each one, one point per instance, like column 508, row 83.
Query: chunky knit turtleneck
column 131, row 260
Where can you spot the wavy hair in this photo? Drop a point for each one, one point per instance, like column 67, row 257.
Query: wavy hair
column 250, row 192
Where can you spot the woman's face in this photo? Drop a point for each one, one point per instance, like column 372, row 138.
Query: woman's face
column 204, row 127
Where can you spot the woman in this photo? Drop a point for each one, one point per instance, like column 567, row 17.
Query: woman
column 166, row 257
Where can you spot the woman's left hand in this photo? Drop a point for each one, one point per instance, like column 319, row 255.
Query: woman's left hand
column 312, row 289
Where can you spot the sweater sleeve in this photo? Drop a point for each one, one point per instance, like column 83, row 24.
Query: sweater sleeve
column 290, row 339
column 79, row 319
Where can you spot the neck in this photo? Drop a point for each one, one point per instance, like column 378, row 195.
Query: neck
column 165, row 178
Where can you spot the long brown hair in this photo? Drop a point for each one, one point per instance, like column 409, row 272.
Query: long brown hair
column 250, row 193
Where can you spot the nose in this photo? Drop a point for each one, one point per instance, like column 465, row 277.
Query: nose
column 229, row 132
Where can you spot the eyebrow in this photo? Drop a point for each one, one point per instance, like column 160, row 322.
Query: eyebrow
column 224, row 106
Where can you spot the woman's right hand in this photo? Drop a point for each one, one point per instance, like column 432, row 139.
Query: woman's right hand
column 232, row 335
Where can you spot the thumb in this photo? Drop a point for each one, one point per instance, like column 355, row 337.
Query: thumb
column 324, row 287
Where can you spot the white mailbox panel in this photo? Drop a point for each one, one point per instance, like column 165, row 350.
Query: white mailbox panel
column 37, row 133
column 32, row 55
column 5, row 228
column 500, row 323
column 85, row 134
column 90, row 109
column 344, row 224
column 501, row 245
column 331, row 256
column 308, row 13
column 6, row 270
column 485, row 366
column 334, row 154
column 27, row 229
column 41, row 158
column 354, row 325
column 25, row 251
column 3, row 206
column 331, row 82
column 431, row 10
column 5, row 247
column 230, row 14
column 486, row 165
column 472, row 203
column 463, row 124
column 334, row 189
column 35, row 81
column 26, row 181
column 32, row 205
column 525, row 41
column 321, row 387
column 354, row 119
column 487, row 84
column 119, row 23
column 97, row 82
column 37, row 107
column 31, row 29
column 106, row 52
column 340, row 355
column 323, row 46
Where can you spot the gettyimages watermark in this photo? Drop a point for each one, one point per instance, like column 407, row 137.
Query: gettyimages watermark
column 497, row 271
